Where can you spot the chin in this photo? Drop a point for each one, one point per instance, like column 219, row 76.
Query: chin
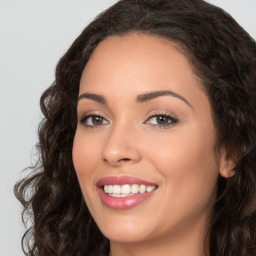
column 126, row 231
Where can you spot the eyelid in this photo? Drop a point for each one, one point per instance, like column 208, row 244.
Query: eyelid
column 87, row 115
column 172, row 117
column 82, row 114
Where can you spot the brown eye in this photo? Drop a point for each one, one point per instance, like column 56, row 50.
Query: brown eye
column 97, row 120
column 93, row 121
column 162, row 120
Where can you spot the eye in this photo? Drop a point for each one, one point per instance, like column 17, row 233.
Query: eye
column 93, row 120
column 161, row 120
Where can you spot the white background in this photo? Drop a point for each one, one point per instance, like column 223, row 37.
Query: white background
column 33, row 36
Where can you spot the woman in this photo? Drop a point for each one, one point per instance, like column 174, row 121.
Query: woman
column 148, row 141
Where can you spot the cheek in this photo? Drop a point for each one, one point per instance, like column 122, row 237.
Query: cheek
column 186, row 161
column 84, row 154
column 189, row 171
column 85, row 151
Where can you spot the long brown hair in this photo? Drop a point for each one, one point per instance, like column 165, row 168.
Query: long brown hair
column 221, row 53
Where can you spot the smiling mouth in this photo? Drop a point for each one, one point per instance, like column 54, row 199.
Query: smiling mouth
column 127, row 189
column 125, row 192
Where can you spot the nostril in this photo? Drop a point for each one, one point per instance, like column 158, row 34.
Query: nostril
column 125, row 159
column 118, row 161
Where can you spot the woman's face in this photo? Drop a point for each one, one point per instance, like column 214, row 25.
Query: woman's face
column 145, row 124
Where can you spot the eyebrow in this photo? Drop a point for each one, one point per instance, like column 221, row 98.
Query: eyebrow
column 152, row 95
column 94, row 97
column 140, row 98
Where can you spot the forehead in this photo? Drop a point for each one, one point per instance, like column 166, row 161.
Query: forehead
column 138, row 62
column 147, row 49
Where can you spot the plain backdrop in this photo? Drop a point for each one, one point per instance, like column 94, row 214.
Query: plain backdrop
column 34, row 34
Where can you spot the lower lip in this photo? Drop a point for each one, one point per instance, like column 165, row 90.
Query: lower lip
column 123, row 203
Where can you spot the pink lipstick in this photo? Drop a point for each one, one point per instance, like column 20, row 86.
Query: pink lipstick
column 124, row 192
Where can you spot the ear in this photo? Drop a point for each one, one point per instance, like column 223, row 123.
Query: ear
column 227, row 164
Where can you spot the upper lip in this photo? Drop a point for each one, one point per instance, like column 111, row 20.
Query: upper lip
column 122, row 180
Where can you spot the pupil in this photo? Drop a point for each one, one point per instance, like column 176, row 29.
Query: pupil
column 97, row 120
column 162, row 120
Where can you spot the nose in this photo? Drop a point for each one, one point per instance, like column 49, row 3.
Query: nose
column 121, row 147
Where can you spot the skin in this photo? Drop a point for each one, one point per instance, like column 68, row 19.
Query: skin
column 181, row 158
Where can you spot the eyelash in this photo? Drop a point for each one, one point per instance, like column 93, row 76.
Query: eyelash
column 86, row 117
column 171, row 120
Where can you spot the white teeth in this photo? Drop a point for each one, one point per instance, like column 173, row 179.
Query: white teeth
column 110, row 189
column 116, row 195
column 127, row 190
column 120, row 195
column 142, row 188
column 135, row 188
column 149, row 188
column 106, row 189
column 116, row 189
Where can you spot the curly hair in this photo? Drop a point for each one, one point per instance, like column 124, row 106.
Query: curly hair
column 221, row 54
